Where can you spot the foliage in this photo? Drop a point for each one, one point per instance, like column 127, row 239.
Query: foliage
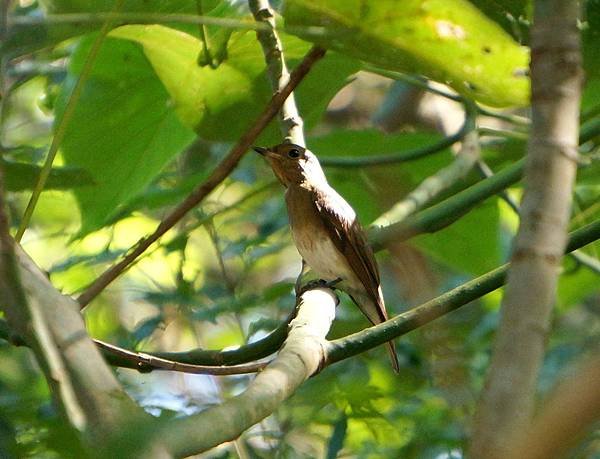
column 155, row 117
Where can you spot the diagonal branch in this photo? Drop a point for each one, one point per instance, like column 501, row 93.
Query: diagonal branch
column 371, row 337
column 220, row 173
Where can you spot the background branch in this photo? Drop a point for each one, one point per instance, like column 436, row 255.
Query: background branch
column 508, row 399
column 566, row 417
column 403, row 323
column 433, row 185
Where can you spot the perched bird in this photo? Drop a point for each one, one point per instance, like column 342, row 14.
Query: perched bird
column 326, row 231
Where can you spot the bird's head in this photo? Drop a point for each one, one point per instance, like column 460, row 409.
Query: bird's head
column 293, row 164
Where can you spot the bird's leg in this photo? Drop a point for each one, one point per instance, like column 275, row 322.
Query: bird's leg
column 318, row 283
column 298, row 286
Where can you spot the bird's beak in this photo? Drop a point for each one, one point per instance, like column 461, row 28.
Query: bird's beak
column 260, row 150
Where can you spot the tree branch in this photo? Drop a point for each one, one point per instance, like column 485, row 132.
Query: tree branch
column 344, row 347
column 433, row 185
column 403, row 323
column 508, row 399
column 219, row 174
column 301, row 356
column 81, row 384
column 290, row 121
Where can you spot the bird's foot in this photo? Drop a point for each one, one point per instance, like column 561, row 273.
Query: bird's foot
column 318, row 283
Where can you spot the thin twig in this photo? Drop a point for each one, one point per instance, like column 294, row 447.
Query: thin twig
column 61, row 129
column 339, row 349
column 219, row 174
column 147, row 362
column 404, row 156
column 83, row 19
column 290, row 122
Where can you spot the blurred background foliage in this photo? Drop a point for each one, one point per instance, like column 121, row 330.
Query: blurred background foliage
column 160, row 107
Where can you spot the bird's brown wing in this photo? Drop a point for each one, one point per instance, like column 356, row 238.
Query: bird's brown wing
column 349, row 238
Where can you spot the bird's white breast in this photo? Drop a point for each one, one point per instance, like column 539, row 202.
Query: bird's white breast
column 321, row 255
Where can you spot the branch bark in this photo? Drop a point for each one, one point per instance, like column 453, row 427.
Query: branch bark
column 508, row 399
column 301, row 356
column 82, row 385
column 290, row 122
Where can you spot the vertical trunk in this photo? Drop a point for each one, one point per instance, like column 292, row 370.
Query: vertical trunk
column 508, row 398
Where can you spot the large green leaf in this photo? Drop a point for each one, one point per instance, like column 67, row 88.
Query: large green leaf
column 123, row 131
column 220, row 103
column 447, row 40
column 127, row 126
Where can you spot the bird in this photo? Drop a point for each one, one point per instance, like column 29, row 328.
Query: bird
column 327, row 233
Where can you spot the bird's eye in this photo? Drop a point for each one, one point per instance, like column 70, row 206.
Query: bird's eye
column 294, row 153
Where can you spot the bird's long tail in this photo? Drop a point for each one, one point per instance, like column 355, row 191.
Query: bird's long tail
column 375, row 312
column 393, row 356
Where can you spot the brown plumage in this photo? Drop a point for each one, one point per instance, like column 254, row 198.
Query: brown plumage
column 326, row 231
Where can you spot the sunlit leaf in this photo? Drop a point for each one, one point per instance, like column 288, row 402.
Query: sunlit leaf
column 123, row 130
column 447, row 40
column 220, row 103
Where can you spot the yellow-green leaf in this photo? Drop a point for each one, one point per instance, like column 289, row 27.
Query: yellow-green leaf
column 450, row 41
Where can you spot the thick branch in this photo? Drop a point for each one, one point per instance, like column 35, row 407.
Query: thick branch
column 301, row 356
column 508, row 399
column 221, row 172
column 81, row 383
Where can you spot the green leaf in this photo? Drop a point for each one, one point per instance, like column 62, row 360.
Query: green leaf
column 470, row 245
column 123, row 131
column 24, row 39
column 23, row 176
column 220, row 103
column 450, row 41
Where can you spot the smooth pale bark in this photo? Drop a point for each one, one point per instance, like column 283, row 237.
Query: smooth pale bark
column 302, row 355
column 290, row 121
column 507, row 404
